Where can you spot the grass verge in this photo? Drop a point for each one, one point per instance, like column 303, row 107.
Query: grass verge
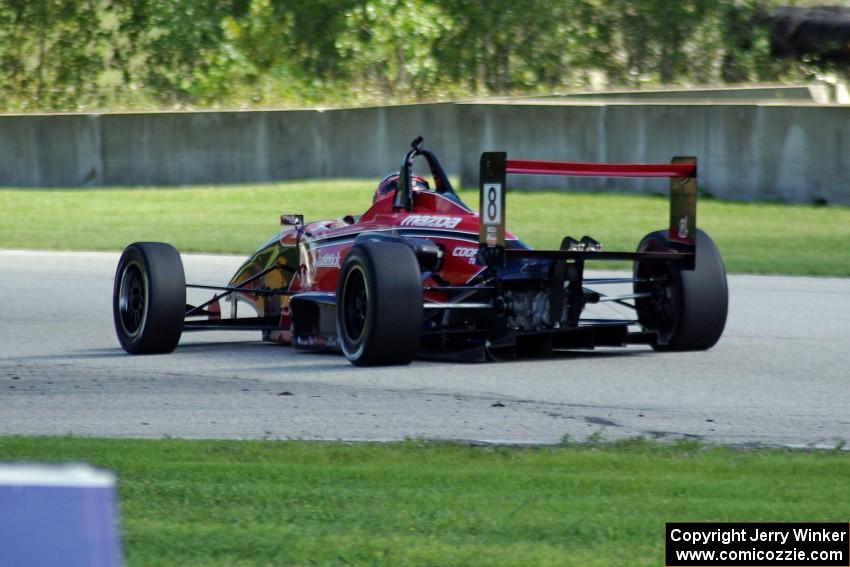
column 753, row 237
column 296, row 503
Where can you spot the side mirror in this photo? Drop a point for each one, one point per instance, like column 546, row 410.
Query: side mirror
column 292, row 220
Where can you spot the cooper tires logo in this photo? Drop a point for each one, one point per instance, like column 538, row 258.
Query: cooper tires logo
column 467, row 252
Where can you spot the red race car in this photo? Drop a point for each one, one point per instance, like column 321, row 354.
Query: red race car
column 421, row 274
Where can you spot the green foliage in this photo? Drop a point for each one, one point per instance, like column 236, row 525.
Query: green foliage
column 49, row 52
column 176, row 46
column 418, row 503
column 90, row 54
column 388, row 45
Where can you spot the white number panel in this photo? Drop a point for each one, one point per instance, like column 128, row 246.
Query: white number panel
column 491, row 210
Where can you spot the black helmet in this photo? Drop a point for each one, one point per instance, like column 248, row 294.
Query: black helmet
column 389, row 184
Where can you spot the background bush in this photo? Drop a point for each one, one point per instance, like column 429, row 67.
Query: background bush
column 98, row 54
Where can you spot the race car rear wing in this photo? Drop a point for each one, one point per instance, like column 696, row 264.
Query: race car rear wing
column 682, row 172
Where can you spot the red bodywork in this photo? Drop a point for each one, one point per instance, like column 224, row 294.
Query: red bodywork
column 316, row 250
column 420, row 274
column 483, row 289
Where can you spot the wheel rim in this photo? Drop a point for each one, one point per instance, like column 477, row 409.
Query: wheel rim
column 355, row 305
column 657, row 312
column 133, row 299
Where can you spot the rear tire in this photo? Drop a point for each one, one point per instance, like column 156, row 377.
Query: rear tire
column 688, row 308
column 149, row 298
column 379, row 304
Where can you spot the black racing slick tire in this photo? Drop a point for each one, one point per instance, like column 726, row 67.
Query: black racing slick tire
column 687, row 308
column 149, row 298
column 379, row 304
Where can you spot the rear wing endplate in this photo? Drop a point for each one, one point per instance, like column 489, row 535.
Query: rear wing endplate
column 682, row 172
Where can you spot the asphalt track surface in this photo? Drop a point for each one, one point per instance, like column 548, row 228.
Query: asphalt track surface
column 779, row 375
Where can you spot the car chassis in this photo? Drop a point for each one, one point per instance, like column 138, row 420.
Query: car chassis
column 393, row 288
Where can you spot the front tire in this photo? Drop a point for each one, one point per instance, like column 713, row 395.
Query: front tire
column 149, row 298
column 687, row 308
column 379, row 304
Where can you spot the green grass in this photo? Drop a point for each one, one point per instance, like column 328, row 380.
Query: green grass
column 297, row 503
column 753, row 237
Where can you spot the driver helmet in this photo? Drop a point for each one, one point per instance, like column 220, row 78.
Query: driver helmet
column 389, row 184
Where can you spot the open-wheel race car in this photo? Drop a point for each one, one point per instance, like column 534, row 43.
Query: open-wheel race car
column 421, row 274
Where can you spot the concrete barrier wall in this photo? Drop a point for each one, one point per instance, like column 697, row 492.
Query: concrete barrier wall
column 763, row 152
column 745, row 152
